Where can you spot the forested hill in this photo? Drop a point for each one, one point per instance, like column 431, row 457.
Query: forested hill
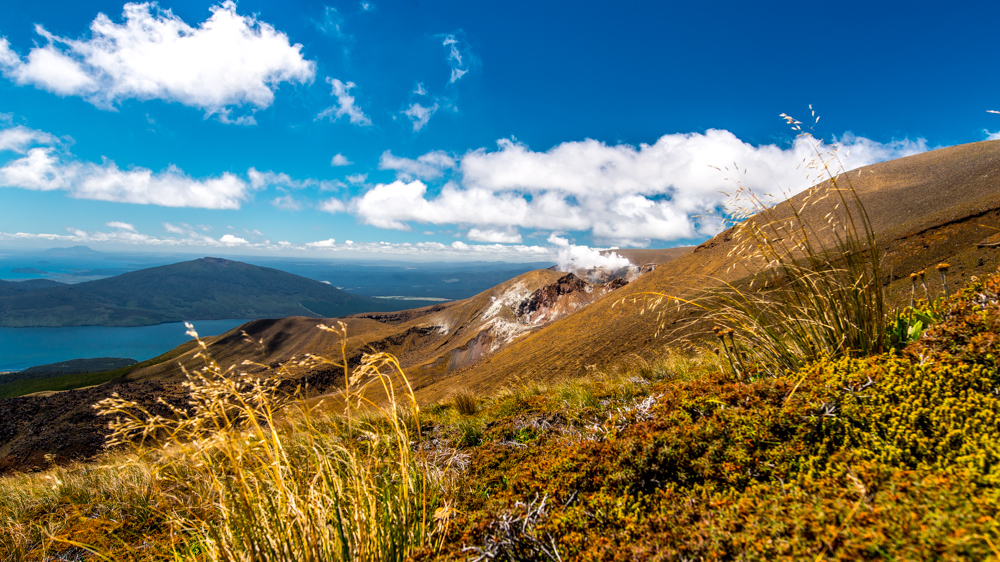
column 203, row 289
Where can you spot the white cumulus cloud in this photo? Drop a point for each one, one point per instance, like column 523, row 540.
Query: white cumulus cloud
column 231, row 240
column 228, row 61
column 168, row 188
column 44, row 168
column 339, row 160
column 345, row 104
column 504, row 236
column 621, row 194
column 329, row 243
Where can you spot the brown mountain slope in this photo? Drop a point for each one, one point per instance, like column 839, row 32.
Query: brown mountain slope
column 932, row 207
column 430, row 341
column 643, row 256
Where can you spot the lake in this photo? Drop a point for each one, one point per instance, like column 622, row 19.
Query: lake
column 21, row 348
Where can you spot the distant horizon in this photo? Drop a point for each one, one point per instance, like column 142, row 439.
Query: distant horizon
column 200, row 253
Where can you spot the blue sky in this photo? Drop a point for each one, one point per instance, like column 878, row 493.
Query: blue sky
column 454, row 130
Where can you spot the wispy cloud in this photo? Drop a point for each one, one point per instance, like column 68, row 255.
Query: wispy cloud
column 121, row 226
column 269, row 179
column 508, row 235
column 357, row 179
column 332, row 23
column 345, row 104
column 427, row 166
column 333, row 205
column 420, row 115
column 230, row 61
column 460, row 57
column 185, row 236
column 20, row 138
column 287, row 203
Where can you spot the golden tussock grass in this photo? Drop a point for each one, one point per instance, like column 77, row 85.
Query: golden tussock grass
column 245, row 472
column 812, row 273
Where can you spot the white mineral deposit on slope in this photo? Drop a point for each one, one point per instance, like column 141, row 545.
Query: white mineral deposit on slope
column 504, row 332
column 510, row 299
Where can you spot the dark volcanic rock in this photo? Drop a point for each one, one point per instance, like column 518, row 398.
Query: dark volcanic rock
column 65, row 424
column 549, row 295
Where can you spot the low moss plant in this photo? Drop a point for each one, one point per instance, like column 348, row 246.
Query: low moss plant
column 887, row 456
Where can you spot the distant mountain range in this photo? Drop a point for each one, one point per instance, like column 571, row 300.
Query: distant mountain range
column 71, row 251
column 203, row 289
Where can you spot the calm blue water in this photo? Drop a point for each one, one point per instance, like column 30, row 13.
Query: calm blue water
column 21, row 348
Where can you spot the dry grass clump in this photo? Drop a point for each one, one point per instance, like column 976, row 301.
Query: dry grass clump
column 466, row 402
column 813, row 277
column 241, row 472
column 823, row 292
column 278, row 481
column 104, row 497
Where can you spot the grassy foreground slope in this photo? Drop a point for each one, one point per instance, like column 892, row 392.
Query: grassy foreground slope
column 887, row 456
column 890, row 457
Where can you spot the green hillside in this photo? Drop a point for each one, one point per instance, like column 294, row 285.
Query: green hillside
column 203, row 289
column 30, row 285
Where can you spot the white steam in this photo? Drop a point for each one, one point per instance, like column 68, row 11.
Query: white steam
column 573, row 258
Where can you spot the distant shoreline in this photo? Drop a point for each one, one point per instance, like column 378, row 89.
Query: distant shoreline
column 240, row 320
column 402, row 298
column 25, row 347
